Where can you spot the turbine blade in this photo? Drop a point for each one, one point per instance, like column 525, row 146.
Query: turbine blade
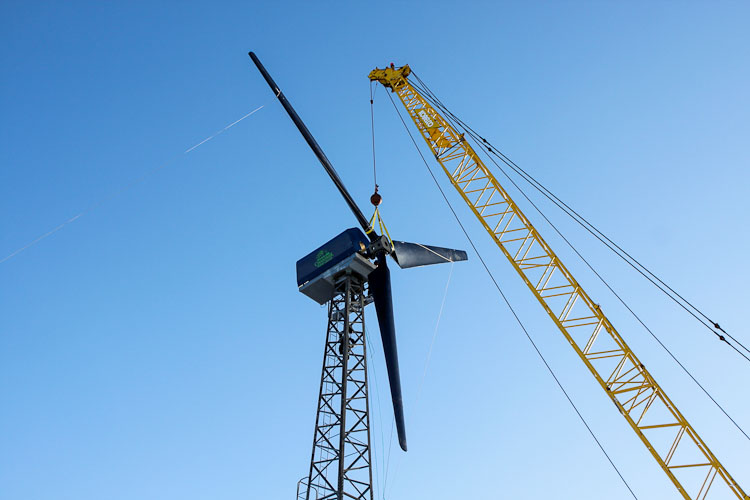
column 380, row 289
column 414, row 254
column 317, row 150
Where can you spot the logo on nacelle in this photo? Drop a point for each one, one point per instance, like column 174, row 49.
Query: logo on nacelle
column 323, row 257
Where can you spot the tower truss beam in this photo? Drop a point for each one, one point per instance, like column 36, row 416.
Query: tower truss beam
column 340, row 465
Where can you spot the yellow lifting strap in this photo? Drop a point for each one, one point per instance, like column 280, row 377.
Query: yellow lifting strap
column 377, row 218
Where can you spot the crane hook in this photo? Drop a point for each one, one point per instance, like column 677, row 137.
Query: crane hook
column 376, row 199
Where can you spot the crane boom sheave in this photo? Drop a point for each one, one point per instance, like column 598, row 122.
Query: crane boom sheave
column 626, row 381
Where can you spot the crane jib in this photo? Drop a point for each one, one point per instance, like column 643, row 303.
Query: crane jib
column 626, row 381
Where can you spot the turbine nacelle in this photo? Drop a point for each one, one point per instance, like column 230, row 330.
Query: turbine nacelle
column 350, row 251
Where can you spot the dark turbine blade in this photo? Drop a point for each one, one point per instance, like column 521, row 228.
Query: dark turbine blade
column 316, row 149
column 380, row 289
column 414, row 254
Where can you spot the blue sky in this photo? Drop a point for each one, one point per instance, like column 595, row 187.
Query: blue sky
column 157, row 347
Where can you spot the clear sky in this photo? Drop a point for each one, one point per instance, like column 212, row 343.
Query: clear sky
column 157, row 347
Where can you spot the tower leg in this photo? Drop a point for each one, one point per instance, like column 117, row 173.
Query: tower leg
column 340, row 466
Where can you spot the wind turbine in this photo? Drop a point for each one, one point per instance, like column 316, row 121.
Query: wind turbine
column 338, row 273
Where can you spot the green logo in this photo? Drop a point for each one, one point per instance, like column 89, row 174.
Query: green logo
column 323, row 257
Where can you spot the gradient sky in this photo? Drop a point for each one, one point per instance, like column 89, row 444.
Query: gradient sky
column 157, row 347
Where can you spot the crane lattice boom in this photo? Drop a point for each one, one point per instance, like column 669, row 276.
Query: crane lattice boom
column 638, row 397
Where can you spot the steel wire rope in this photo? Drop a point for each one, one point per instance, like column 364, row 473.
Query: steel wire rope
column 372, row 128
column 429, row 353
column 117, row 192
column 601, row 237
column 371, row 367
column 388, row 459
column 375, row 182
column 620, row 299
column 583, row 222
column 434, row 335
column 508, row 304
column 625, row 304
column 558, row 202
column 427, row 361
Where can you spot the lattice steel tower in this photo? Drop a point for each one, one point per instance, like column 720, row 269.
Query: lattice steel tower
column 340, row 466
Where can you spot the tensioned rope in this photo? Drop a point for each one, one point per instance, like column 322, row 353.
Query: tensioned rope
column 387, row 458
column 508, row 304
column 118, row 192
column 371, row 367
column 609, row 287
column 434, row 335
column 689, row 307
column 429, row 353
column 372, row 128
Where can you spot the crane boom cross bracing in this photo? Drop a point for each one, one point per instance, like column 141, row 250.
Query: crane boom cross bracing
column 638, row 397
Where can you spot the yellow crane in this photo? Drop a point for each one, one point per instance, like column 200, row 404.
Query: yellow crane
column 626, row 381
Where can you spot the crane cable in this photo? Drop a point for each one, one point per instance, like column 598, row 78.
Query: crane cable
column 622, row 301
column 372, row 128
column 507, row 303
column 598, row 234
column 377, row 218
